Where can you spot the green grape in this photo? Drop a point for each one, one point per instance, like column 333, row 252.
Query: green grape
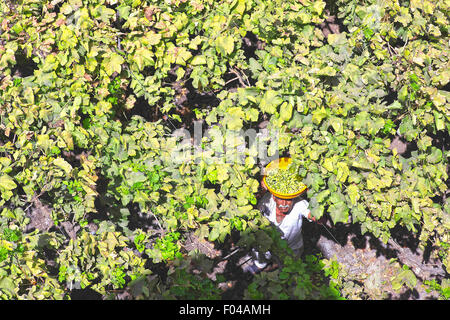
column 284, row 180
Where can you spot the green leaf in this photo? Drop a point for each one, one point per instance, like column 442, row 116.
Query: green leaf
column 225, row 45
column 321, row 196
column 234, row 118
column 222, row 173
column 143, row 57
column 403, row 93
column 318, row 115
column 133, row 178
column 7, row 284
column 328, row 164
column 342, row 171
column 153, row 38
column 395, row 105
column 317, row 212
column 270, row 102
column 251, row 114
column 327, row 71
column 336, row 38
column 435, row 156
column 254, row 66
column 405, row 277
column 373, row 182
column 63, row 164
column 214, row 234
column 113, row 63
column 7, row 182
column 182, row 56
column 286, row 111
column 198, row 60
column 338, row 212
column 337, row 124
column 353, row 193
column 439, row 121
column 29, row 95
column 240, row 7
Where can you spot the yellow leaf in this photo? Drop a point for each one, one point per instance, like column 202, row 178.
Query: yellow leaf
column 198, row 60
column 240, row 8
column 342, row 172
column 182, row 56
column 225, row 44
column 113, row 63
column 222, row 173
column 318, row 115
column 353, row 193
column 328, row 164
column 7, row 182
column 6, row 244
column 286, row 111
column 63, row 164
column 234, row 118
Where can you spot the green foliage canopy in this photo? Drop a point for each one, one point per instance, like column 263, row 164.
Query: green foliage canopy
column 341, row 99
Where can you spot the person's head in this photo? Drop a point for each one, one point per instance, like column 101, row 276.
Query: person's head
column 283, row 205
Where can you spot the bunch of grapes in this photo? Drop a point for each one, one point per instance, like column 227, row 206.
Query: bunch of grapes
column 285, row 181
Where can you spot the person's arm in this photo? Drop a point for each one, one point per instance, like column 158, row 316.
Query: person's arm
column 271, row 267
column 310, row 217
column 306, row 212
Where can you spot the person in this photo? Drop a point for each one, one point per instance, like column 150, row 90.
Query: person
column 286, row 215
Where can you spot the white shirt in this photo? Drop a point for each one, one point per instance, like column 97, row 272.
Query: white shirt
column 291, row 226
